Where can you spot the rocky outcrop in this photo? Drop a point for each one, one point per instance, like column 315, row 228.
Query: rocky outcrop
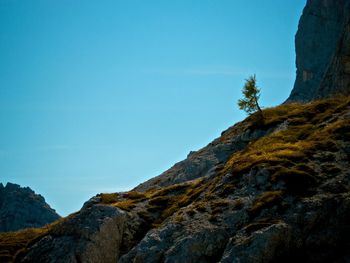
column 262, row 246
column 22, row 208
column 284, row 198
column 290, row 205
column 204, row 161
column 322, row 50
column 323, row 69
column 337, row 77
column 91, row 236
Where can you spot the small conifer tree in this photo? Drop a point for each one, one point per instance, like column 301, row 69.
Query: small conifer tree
column 251, row 93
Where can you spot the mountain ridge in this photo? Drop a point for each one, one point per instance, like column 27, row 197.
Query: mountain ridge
column 274, row 200
column 267, row 191
column 21, row 207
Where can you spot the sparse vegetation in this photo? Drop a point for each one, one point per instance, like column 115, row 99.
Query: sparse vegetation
column 125, row 204
column 305, row 140
column 109, row 198
column 266, row 199
column 201, row 207
column 220, row 203
column 297, row 142
column 134, row 195
column 226, row 190
column 296, row 181
column 175, row 189
column 13, row 243
column 261, row 223
column 160, row 201
column 251, row 95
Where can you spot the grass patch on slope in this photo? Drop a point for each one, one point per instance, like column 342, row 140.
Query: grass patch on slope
column 14, row 245
column 156, row 205
column 309, row 128
column 303, row 130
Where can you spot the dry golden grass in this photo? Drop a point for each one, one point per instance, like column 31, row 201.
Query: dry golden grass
column 12, row 242
column 109, row 198
column 285, row 153
column 126, row 205
column 266, row 199
column 297, row 141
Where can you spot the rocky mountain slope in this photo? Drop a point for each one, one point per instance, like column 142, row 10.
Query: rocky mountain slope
column 22, row 208
column 267, row 191
column 322, row 50
column 284, row 197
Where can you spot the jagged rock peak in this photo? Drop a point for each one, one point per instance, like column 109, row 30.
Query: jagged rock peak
column 21, row 207
column 322, row 50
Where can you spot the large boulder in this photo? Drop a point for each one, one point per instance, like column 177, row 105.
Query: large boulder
column 93, row 235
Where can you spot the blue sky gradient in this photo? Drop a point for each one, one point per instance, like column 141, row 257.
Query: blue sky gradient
column 99, row 96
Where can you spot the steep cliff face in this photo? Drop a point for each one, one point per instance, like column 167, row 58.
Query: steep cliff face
column 337, row 77
column 322, row 50
column 22, row 208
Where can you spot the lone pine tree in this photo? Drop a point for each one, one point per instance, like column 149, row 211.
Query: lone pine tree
column 251, row 95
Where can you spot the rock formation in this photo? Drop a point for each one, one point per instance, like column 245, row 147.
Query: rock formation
column 205, row 161
column 284, row 197
column 322, row 50
column 94, row 235
column 267, row 192
column 22, row 208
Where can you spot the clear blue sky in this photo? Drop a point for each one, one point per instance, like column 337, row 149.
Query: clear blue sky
column 98, row 96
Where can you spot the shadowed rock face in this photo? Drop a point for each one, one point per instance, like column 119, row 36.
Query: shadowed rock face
column 22, row 208
column 322, row 50
column 93, row 235
column 337, row 77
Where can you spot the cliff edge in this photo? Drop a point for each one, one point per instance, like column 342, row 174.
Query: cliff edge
column 322, row 51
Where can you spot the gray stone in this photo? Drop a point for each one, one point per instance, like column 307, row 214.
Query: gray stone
column 322, row 50
column 22, row 208
column 262, row 246
column 202, row 162
column 93, row 235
